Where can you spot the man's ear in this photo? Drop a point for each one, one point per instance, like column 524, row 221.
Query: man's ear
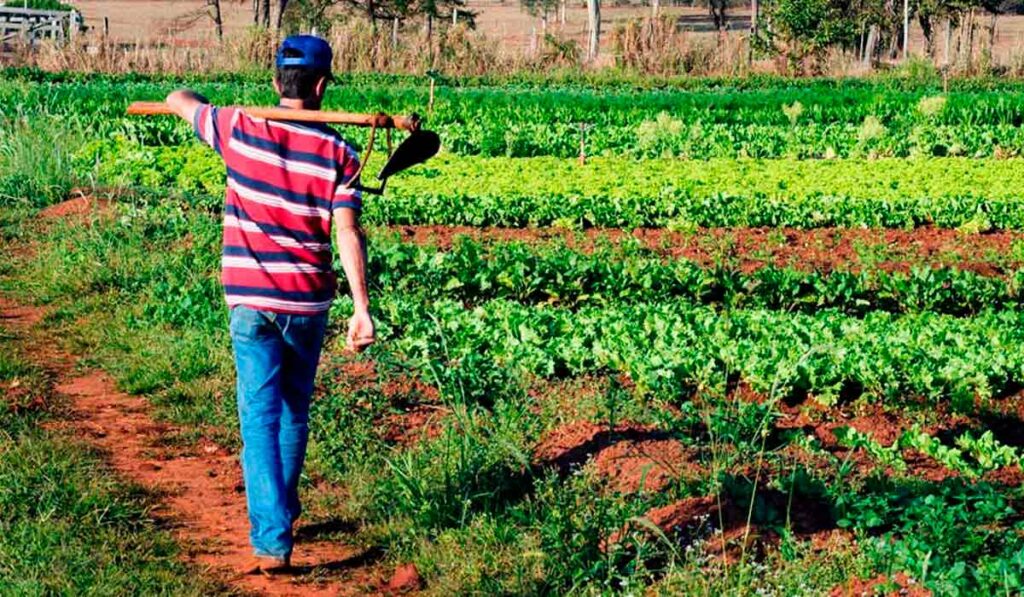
column 277, row 86
column 320, row 88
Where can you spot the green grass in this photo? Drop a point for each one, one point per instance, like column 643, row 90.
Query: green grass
column 67, row 526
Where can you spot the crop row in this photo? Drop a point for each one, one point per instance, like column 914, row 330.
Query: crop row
column 605, row 81
column 472, row 273
column 796, row 121
column 674, row 349
column 978, row 195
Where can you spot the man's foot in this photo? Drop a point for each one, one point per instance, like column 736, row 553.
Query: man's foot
column 268, row 565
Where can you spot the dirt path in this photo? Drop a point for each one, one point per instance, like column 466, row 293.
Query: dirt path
column 201, row 491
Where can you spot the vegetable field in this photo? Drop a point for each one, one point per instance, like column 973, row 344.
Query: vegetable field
column 765, row 339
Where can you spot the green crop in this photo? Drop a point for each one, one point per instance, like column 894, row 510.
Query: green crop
column 979, row 195
column 557, row 275
column 701, row 122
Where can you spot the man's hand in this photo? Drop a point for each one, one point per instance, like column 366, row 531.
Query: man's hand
column 360, row 331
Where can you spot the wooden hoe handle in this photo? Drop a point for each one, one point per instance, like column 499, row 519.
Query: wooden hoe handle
column 384, row 121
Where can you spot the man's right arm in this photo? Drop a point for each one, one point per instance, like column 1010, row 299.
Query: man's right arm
column 352, row 250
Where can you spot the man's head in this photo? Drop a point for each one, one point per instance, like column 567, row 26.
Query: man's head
column 303, row 69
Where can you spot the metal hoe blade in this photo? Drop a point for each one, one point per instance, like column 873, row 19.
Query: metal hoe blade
column 419, row 147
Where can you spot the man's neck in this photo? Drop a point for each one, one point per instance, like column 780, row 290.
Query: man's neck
column 297, row 104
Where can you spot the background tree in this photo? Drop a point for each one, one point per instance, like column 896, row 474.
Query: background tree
column 802, row 29
column 717, row 9
column 540, row 8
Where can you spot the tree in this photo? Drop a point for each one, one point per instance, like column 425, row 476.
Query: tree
column 540, row 8
column 807, row 28
column 262, row 13
column 386, row 10
column 218, row 22
column 210, row 9
column 717, row 9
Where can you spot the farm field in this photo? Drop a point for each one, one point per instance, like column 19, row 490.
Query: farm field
column 764, row 340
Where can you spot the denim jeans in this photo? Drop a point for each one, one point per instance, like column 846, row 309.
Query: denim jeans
column 276, row 357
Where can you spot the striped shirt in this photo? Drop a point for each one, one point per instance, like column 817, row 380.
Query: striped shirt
column 284, row 181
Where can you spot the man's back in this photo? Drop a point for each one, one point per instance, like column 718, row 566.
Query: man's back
column 284, row 181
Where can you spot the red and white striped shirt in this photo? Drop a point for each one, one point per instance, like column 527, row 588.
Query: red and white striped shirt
column 284, row 181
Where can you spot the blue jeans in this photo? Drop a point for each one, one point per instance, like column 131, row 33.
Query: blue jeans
column 276, row 356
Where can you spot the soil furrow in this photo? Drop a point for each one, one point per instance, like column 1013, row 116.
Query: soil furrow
column 748, row 249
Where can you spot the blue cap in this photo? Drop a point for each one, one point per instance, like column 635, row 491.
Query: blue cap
column 306, row 50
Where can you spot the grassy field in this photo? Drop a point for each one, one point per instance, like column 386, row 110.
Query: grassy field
column 790, row 366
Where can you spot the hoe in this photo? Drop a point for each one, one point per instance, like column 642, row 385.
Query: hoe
column 418, row 147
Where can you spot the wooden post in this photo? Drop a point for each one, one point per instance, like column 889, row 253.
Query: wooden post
column 754, row 9
column 655, row 8
column 455, row 15
column 583, row 144
column 430, row 38
column 869, row 46
column 106, row 27
column 430, row 104
column 906, row 29
column 948, row 42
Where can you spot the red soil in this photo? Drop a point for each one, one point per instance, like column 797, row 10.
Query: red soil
column 407, row 427
column 905, row 587
column 1010, row 476
column 925, row 467
column 406, row 579
column 79, row 206
column 822, row 249
column 415, row 409
column 645, row 465
column 201, row 492
column 724, row 531
column 883, row 427
column 631, row 457
column 688, row 514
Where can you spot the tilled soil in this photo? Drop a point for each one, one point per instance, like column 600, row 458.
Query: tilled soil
column 200, row 492
column 749, row 249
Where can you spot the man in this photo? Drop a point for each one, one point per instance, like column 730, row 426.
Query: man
column 287, row 183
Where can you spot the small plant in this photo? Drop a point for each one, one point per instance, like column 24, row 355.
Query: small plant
column 659, row 135
column 930, row 106
column 871, row 129
column 793, row 112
